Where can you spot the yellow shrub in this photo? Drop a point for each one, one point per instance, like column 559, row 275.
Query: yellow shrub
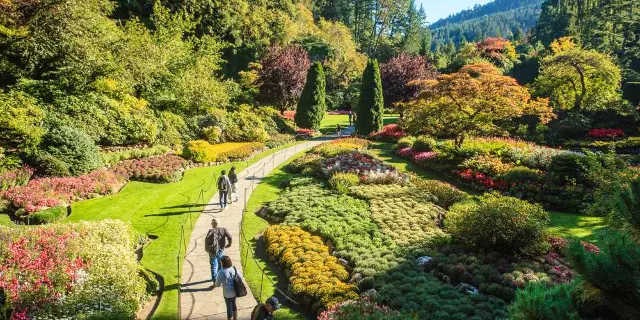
column 202, row 151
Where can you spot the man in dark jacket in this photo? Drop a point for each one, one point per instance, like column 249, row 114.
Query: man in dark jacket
column 215, row 242
column 264, row 311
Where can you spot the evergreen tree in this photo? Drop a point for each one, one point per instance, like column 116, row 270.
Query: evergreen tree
column 371, row 101
column 312, row 104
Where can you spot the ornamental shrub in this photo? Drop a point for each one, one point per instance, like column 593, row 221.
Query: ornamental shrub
column 46, row 216
column 405, row 142
column 212, row 134
column 73, row 148
column 312, row 104
column 500, row 223
column 522, row 174
column 200, row 151
column 446, row 194
column 538, row 300
column 113, row 157
column 49, row 165
column 371, row 102
column 341, row 182
column 424, row 144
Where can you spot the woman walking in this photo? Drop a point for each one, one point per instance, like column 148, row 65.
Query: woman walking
column 225, row 280
column 233, row 178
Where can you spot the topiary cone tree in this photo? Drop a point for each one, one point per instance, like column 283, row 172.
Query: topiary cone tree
column 312, row 104
column 371, row 102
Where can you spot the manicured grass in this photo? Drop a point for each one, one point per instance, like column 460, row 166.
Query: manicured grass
column 390, row 119
column 570, row 225
column 252, row 226
column 6, row 221
column 330, row 121
column 562, row 224
column 160, row 210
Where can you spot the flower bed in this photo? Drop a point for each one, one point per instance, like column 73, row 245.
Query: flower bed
column 289, row 114
column 201, row 151
column 15, row 178
column 605, row 133
column 313, row 272
column 79, row 270
column 164, row 169
column 339, row 112
column 113, row 157
column 355, row 162
column 390, row 132
column 307, row 132
column 45, row 193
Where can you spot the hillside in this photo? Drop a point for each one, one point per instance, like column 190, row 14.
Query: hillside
column 498, row 18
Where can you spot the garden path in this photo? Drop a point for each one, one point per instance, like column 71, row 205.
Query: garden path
column 197, row 299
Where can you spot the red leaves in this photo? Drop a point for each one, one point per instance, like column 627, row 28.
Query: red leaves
column 390, row 132
column 605, row 133
column 283, row 75
column 483, row 180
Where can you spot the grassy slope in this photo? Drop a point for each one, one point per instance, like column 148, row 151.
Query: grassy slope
column 562, row 224
column 252, row 225
column 159, row 209
column 6, row 221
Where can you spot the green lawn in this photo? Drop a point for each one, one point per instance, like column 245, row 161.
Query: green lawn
column 252, row 225
column 160, row 210
column 562, row 224
column 6, row 221
column 330, row 121
column 390, row 118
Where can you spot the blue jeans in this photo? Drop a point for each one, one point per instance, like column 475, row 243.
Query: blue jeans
column 215, row 264
column 223, row 199
column 231, row 306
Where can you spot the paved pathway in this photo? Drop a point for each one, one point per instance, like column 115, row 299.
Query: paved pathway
column 197, row 299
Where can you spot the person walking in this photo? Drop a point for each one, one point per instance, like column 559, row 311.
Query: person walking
column 233, row 178
column 225, row 280
column 224, row 185
column 339, row 130
column 264, row 311
column 215, row 242
column 350, row 118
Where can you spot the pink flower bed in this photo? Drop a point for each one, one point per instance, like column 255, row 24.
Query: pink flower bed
column 165, row 168
column 45, row 193
column 391, row 132
column 605, row 133
column 355, row 162
column 339, row 112
column 289, row 115
column 14, row 178
column 308, row 132
column 482, row 180
column 419, row 157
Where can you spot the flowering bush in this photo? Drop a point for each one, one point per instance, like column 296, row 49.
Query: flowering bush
column 165, row 169
column 15, row 178
column 289, row 114
column 71, row 270
column 605, row 133
column 487, row 164
column 363, row 309
column 306, row 132
column 390, row 132
column 314, row 272
column 340, row 146
column 355, row 162
column 483, row 180
column 45, row 193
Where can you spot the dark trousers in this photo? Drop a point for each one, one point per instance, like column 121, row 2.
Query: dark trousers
column 223, row 198
column 231, row 306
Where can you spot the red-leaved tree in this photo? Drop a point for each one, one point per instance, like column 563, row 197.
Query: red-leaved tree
column 398, row 72
column 282, row 76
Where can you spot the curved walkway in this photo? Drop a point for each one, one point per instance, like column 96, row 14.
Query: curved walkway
column 197, row 299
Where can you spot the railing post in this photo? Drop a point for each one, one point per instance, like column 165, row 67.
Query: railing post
column 261, row 282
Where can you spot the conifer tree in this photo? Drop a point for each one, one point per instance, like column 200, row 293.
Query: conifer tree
column 312, row 104
column 371, row 101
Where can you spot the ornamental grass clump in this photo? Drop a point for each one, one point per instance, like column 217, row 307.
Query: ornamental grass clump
column 500, row 223
column 313, row 272
column 341, row 182
column 445, row 193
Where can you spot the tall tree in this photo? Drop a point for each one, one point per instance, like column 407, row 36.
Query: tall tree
column 469, row 102
column 576, row 79
column 371, row 101
column 414, row 29
column 282, row 75
column 398, row 72
column 312, row 105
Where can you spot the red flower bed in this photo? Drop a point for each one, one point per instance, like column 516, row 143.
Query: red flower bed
column 391, row 132
column 45, row 193
column 165, row 169
column 289, row 115
column 15, row 178
column 482, row 179
column 308, row 132
column 339, row 112
column 38, row 270
column 605, row 133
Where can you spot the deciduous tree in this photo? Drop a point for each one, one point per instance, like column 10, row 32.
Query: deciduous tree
column 282, row 76
column 398, row 72
column 469, row 102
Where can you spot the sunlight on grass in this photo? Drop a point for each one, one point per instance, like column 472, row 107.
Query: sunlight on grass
column 330, row 121
column 569, row 225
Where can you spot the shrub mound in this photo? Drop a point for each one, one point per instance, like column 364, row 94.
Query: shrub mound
column 203, row 152
column 73, row 148
column 165, row 169
column 113, row 157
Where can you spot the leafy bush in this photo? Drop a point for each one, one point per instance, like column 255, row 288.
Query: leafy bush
column 15, row 178
column 500, row 223
column 567, row 167
column 74, row 148
column 200, row 151
column 341, row 182
column 424, row 144
column 111, row 158
column 165, row 169
column 486, row 164
column 541, row 301
column 362, row 309
column 83, row 259
column 390, row 132
column 307, row 259
column 49, row 165
column 522, row 174
column 244, row 125
column 309, row 163
column 445, row 193
column 279, row 139
column 46, row 216
column 212, row 134
column 405, row 142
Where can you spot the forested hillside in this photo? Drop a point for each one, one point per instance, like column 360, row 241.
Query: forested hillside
column 501, row 18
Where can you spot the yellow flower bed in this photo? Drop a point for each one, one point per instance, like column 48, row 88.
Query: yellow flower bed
column 202, row 151
column 314, row 272
column 340, row 146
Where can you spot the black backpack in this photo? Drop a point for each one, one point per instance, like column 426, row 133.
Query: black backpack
column 222, row 186
column 212, row 242
column 233, row 177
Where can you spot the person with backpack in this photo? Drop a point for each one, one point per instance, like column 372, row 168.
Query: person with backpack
column 233, row 178
column 215, row 242
column 230, row 279
column 224, row 185
column 264, row 311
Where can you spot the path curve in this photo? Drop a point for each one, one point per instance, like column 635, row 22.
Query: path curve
column 197, row 299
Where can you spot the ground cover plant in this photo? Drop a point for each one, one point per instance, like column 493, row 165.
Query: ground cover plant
column 203, row 152
column 163, row 169
column 112, row 157
column 81, row 270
